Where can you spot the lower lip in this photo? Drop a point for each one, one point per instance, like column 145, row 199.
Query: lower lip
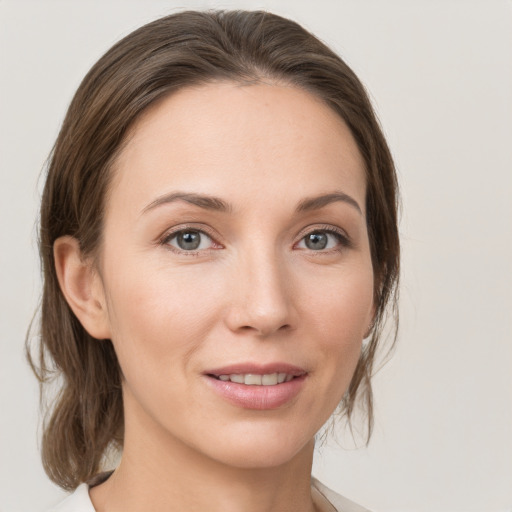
column 257, row 397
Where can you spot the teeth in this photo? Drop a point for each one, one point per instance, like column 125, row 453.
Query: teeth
column 251, row 379
column 269, row 380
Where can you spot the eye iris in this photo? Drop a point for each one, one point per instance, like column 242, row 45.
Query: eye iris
column 188, row 240
column 316, row 241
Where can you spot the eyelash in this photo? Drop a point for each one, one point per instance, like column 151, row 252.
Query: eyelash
column 165, row 241
column 340, row 235
column 342, row 238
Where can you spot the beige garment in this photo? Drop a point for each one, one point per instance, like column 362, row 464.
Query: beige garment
column 324, row 499
column 327, row 500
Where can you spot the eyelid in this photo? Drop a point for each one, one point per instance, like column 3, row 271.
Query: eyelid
column 175, row 230
column 340, row 233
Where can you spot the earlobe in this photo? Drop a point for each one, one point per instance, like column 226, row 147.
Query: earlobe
column 81, row 286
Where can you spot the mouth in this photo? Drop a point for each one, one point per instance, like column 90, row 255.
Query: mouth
column 250, row 374
column 252, row 386
column 254, row 379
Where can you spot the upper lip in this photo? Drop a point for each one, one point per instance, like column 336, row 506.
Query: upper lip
column 257, row 369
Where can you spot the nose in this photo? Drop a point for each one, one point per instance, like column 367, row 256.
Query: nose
column 262, row 296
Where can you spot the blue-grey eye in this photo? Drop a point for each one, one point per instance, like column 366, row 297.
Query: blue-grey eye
column 190, row 240
column 319, row 240
column 316, row 241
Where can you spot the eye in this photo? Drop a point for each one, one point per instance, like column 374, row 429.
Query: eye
column 189, row 240
column 321, row 240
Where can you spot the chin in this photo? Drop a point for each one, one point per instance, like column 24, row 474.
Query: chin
column 259, row 450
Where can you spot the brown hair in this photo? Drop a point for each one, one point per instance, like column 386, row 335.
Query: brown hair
column 86, row 418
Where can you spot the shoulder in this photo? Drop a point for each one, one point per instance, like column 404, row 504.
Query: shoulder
column 79, row 501
column 340, row 503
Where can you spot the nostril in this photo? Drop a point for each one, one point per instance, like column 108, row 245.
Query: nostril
column 264, row 331
column 260, row 319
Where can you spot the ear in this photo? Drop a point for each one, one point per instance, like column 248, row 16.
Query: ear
column 81, row 286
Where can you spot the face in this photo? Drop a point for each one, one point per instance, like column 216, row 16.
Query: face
column 236, row 270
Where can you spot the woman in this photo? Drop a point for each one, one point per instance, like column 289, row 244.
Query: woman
column 218, row 236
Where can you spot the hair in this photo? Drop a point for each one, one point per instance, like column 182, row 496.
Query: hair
column 85, row 419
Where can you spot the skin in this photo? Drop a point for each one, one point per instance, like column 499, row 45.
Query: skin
column 253, row 292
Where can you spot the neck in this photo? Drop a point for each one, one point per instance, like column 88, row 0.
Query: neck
column 160, row 473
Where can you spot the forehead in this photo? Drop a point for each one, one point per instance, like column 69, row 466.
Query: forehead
column 232, row 139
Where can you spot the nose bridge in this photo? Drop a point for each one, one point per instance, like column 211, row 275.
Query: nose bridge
column 262, row 301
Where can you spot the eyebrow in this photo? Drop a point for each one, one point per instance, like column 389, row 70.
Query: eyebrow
column 214, row 203
column 201, row 200
column 317, row 202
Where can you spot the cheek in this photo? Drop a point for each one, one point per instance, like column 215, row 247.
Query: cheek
column 339, row 317
column 159, row 315
column 343, row 304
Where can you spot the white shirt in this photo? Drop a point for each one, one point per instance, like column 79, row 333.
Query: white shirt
column 325, row 500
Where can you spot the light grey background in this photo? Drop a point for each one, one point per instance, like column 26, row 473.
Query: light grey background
column 440, row 75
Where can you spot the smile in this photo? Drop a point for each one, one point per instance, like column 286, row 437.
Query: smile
column 254, row 386
column 251, row 379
